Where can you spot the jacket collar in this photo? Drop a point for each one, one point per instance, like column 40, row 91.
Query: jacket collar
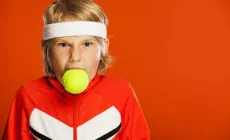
column 65, row 94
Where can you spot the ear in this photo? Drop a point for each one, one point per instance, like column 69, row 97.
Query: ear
column 105, row 47
column 49, row 61
column 49, row 57
column 107, row 42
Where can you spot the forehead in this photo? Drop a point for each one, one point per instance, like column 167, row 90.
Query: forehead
column 76, row 38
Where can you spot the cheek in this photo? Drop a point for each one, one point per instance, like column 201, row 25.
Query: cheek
column 97, row 56
column 58, row 61
column 93, row 58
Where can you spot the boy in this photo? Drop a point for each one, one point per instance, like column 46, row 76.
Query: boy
column 75, row 38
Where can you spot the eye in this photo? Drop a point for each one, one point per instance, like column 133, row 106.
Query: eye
column 63, row 44
column 87, row 44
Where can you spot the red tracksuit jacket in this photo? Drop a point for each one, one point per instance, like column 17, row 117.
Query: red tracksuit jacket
column 107, row 110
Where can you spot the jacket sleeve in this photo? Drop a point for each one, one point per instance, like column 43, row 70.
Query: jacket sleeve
column 17, row 126
column 134, row 126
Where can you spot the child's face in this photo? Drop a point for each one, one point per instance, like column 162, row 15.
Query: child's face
column 75, row 52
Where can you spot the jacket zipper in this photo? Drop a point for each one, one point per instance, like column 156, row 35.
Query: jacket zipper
column 74, row 119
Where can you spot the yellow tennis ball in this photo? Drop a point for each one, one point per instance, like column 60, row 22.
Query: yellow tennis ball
column 75, row 81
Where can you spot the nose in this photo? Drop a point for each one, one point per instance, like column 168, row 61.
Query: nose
column 75, row 54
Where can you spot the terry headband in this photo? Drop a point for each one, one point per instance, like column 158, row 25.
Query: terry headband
column 74, row 28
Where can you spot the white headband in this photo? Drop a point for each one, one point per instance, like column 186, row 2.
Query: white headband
column 74, row 28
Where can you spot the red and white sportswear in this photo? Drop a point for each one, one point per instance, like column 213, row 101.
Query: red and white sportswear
column 107, row 110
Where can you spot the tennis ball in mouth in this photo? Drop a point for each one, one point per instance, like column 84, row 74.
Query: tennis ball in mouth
column 75, row 81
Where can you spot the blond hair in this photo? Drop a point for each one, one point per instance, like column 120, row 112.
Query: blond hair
column 73, row 10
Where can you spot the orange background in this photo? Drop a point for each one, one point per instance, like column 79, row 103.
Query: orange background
column 175, row 54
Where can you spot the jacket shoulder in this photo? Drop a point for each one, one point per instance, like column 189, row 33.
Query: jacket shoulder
column 32, row 87
column 116, row 86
